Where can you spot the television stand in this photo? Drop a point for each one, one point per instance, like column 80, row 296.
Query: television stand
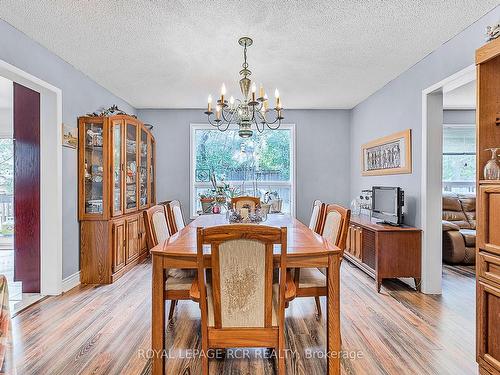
column 384, row 251
column 388, row 223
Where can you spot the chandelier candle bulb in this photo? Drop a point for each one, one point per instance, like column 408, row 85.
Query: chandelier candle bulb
column 254, row 89
column 277, row 96
column 222, row 94
column 217, row 112
column 209, row 108
column 261, row 91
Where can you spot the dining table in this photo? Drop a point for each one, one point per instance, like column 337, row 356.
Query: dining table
column 305, row 248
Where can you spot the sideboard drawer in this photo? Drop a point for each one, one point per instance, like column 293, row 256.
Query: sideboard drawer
column 488, row 267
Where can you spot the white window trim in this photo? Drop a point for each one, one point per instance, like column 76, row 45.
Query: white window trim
column 293, row 171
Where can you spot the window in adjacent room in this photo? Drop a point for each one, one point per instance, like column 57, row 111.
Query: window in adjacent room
column 459, row 158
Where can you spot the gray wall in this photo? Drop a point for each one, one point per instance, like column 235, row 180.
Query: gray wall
column 459, row 116
column 80, row 95
column 322, row 153
column 398, row 106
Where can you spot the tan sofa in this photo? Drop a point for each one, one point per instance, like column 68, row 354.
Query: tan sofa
column 459, row 228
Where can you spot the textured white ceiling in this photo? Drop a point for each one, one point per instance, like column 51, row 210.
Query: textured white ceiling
column 171, row 54
column 463, row 97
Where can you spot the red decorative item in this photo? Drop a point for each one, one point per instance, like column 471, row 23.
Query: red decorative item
column 216, row 209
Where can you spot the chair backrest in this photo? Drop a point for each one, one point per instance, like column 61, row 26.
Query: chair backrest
column 175, row 218
column 242, row 275
column 239, row 202
column 156, row 223
column 335, row 224
column 316, row 215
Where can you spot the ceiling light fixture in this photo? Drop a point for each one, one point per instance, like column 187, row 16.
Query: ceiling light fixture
column 252, row 109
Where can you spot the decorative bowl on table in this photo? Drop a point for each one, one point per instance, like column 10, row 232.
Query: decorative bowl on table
column 246, row 216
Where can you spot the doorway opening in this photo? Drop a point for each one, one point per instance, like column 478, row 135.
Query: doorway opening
column 49, row 113
column 446, row 168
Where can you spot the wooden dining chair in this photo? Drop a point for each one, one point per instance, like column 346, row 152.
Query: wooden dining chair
column 334, row 226
column 240, row 306
column 239, row 202
column 174, row 215
column 179, row 281
column 316, row 215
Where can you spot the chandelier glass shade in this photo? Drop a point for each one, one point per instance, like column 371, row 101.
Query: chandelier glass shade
column 252, row 109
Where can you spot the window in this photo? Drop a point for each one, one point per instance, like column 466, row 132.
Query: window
column 459, row 158
column 252, row 166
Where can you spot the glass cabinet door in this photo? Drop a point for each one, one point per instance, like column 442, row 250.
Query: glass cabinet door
column 152, row 171
column 93, row 158
column 143, row 170
column 131, row 167
column 117, row 165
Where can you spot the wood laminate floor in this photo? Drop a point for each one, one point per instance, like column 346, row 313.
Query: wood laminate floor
column 106, row 330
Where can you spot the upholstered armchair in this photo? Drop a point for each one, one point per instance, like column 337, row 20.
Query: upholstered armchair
column 459, row 228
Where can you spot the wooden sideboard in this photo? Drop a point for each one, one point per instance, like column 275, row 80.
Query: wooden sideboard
column 384, row 251
column 488, row 211
column 116, row 173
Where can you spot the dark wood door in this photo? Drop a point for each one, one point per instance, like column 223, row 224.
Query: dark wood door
column 27, row 188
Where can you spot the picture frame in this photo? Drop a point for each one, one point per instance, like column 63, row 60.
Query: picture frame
column 387, row 155
column 69, row 136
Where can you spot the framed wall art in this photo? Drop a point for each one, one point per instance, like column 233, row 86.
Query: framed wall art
column 70, row 136
column 387, row 155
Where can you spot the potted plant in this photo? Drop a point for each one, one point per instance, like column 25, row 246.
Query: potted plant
column 207, row 201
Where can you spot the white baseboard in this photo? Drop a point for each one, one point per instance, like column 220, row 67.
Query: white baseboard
column 70, row 282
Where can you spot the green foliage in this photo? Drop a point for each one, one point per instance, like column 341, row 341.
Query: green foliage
column 235, row 158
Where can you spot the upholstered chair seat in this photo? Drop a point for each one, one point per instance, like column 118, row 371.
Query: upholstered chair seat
column 180, row 283
column 312, row 278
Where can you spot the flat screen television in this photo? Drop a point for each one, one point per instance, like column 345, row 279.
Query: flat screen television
column 387, row 204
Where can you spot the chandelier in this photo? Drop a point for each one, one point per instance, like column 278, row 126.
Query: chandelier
column 251, row 109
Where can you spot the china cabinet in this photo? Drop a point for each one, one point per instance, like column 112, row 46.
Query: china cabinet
column 116, row 172
column 488, row 209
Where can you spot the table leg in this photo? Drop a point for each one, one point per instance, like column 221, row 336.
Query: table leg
column 333, row 315
column 158, row 319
